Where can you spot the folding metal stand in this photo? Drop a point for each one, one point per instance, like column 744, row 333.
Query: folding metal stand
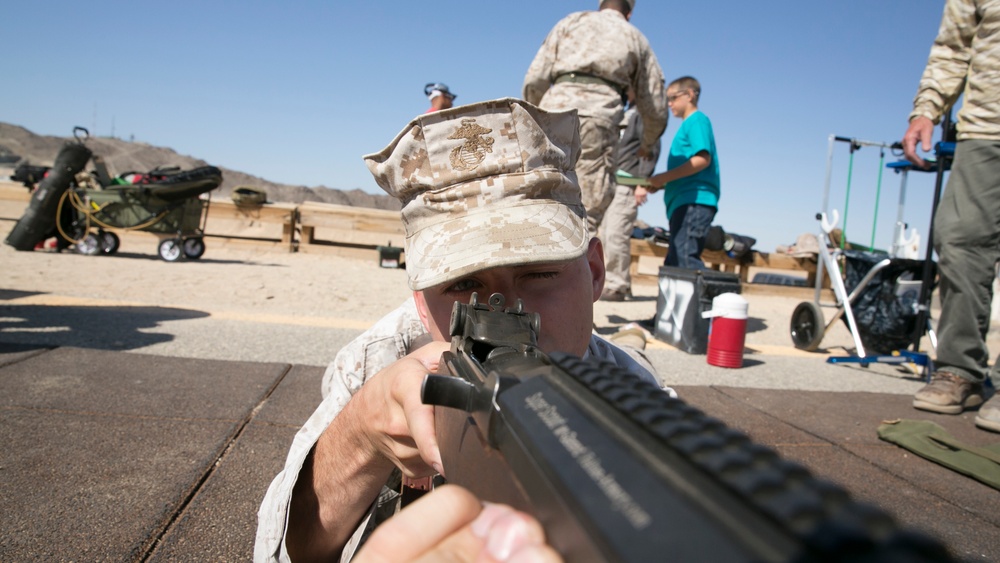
column 807, row 320
column 944, row 153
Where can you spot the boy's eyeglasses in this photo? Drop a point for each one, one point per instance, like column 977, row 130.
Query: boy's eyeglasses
column 677, row 95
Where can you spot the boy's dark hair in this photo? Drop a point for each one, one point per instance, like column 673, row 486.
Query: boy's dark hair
column 688, row 83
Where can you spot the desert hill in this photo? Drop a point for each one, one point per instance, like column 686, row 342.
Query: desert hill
column 19, row 146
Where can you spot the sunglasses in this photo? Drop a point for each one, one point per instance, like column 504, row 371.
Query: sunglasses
column 677, row 95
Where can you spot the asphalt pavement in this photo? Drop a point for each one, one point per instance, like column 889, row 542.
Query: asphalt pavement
column 113, row 456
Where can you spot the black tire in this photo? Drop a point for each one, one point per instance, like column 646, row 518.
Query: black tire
column 89, row 245
column 807, row 326
column 171, row 249
column 110, row 242
column 194, row 248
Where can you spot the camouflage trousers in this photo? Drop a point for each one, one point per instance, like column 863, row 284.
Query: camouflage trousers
column 616, row 234
column 595, row 169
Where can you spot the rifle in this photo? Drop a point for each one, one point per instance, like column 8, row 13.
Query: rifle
column 617, row 470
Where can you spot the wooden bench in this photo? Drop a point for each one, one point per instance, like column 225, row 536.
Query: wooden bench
column 714, row 259
column 273, row 222
column 348, row 230
column 719, row 260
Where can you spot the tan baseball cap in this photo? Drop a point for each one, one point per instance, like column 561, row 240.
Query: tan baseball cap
column 485, row 185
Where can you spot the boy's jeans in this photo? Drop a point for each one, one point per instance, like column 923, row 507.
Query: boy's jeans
column 688, row 228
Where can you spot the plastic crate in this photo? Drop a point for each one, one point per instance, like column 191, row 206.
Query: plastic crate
column 683, row 296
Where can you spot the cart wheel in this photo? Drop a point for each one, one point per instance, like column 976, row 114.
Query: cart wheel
column 170, row 249
column 110, row 241
column 89, row 245
column 194, row 248
column 807, row 326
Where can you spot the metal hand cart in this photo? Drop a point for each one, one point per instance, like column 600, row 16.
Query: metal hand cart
column 169, row 203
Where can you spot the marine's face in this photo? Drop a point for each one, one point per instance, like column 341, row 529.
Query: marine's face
column 562, row 293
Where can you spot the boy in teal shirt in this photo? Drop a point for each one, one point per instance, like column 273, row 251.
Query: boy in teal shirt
column 691, row 182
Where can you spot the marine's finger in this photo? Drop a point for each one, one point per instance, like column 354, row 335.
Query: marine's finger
column 512, row 536
column 420, row 419
column 430, row 354
column 426, row 525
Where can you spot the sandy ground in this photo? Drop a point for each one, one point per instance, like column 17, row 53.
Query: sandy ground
column 263, row 281
column 261, row 303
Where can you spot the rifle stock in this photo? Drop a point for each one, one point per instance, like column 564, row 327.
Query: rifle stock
column 617, row 470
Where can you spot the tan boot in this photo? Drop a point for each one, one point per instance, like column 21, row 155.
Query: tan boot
column 989, row 415
column 634, row 337
column 948, row 393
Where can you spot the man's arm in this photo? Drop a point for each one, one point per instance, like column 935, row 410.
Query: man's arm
column 538, row 79
column 650, row 99
column 943, row 77
column 694, row 165
column 948, row 63
column 383, row 426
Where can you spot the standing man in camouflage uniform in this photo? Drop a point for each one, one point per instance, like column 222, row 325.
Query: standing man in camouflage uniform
column 586, row 63
column 964, row 59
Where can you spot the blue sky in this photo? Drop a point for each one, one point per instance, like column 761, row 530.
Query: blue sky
column 296, row 92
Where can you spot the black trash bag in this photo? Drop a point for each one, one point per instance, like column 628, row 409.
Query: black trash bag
column 886, row 309
column 715, row 239
column 39, row 220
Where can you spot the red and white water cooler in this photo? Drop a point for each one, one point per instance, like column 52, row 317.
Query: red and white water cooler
column 728, row 331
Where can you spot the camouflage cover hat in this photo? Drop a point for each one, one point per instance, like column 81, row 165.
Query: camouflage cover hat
column 485, row 185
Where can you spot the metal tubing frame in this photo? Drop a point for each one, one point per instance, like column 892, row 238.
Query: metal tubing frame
column 825, row 210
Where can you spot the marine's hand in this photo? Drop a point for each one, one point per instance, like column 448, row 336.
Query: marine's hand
column 450, row 524
column 400, row 427
column 382, row 426
column 921, row 129
column 641, row 195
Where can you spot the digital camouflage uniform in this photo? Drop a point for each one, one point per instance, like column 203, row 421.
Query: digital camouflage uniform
column 598, row 44
column 965, row 59
column 484, row 185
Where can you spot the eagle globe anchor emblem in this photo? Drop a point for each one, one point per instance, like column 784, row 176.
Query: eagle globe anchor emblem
column 470, row 154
